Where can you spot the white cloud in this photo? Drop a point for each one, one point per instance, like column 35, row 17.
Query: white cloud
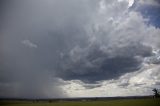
column 120, row 27
column 28, row 43
column 135, row 83
column 115, row 27
column 130, row 2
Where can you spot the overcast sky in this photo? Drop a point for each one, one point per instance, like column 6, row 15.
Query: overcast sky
column 79, row 48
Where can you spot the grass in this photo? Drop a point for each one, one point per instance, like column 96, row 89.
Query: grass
column 134, row 102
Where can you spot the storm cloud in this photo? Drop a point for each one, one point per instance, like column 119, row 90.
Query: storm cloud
column 96, row 64
column 43, row 41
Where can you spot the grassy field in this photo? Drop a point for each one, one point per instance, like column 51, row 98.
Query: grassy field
column 136, row 102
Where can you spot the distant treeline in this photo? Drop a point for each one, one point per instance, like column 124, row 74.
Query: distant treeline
column 76, row 99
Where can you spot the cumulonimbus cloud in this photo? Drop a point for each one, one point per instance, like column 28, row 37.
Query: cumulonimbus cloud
column 86, row 40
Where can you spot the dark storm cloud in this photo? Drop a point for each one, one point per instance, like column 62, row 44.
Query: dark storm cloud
column 43, row 40
column 33, row 35
column 94, row 64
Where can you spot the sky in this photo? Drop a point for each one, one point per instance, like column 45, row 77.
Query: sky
column 79, row 48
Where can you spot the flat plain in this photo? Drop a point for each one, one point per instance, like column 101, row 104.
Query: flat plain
column 124, row 102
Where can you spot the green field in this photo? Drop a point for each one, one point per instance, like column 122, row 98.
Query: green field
column 136, row 102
